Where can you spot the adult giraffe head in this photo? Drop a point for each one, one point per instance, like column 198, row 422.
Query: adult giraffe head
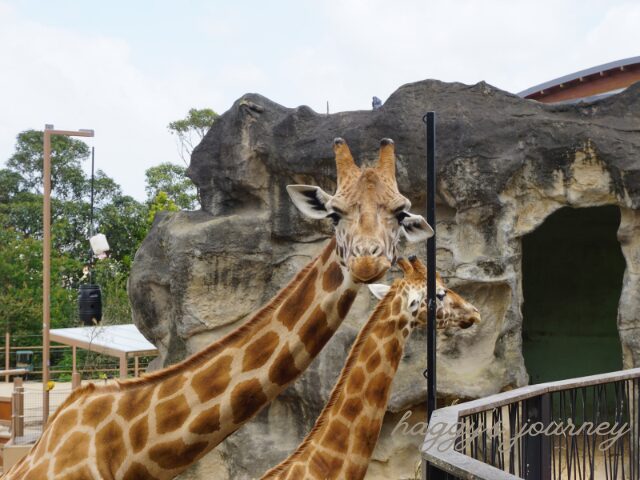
column 368, row 212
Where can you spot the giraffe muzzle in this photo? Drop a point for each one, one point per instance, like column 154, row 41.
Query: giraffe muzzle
column 368, row 269
column 470, row 321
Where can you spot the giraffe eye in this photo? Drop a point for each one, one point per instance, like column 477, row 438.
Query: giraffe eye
column 400, row 216
column 335, row 217
column 413, row 306
column 440, row 294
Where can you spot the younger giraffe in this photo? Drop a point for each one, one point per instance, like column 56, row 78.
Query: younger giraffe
column 153, row 428
column 341, row 443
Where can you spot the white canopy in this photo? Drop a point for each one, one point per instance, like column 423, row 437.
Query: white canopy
column 120, row 341
column 114, row 340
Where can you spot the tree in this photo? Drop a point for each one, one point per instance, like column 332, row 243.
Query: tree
column 21, row 286
column 191, row 130
column 124, row 223
column 161, row 203
column 10, row 185
column 124, row 219
column 173, row 181
column 67, row 178
column 121, row 218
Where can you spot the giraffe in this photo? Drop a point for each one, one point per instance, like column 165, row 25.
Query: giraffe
column 342, row 440
column 156, row 426
column 456, row 312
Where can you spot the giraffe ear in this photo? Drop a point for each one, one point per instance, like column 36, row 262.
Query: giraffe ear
column 310, row 200
column 415, row 228
column 379, row 290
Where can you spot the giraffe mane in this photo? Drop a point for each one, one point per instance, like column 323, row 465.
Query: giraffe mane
column 358, row 344
column 196, row 358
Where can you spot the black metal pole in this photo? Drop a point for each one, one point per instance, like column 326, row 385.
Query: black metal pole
column 91, row 221
column 92, row 176
column 430, row 120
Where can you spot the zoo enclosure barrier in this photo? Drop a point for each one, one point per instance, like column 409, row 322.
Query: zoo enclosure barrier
column 26, row 410
column 581, row 428
column 27, row 354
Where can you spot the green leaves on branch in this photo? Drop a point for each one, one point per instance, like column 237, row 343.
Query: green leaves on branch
column 123, row 220
column 171, row 180
column 191, row 130
column 161, row 203
column 21, row 286
column 67, row 178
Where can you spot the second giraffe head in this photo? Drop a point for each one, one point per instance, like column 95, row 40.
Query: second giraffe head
column 451, row 309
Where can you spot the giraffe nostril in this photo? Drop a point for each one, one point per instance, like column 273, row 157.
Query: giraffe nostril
column 366, row 250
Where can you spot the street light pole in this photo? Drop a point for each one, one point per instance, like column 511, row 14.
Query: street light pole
column 46, row 256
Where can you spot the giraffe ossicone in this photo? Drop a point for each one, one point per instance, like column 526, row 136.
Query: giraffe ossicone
column 157, row 426
column 341, row 443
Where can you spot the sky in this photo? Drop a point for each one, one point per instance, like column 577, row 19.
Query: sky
column 128, row 68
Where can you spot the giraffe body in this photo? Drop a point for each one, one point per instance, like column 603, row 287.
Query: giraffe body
column 155, row 427
column 341, row 443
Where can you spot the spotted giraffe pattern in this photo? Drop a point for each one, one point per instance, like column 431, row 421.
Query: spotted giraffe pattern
column 155, row 427
column 341, row 443
column 456, row 312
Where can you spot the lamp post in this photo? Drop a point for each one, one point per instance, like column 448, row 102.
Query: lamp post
column 46, row 256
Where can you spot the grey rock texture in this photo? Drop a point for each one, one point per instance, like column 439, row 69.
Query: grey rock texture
column 505, row 164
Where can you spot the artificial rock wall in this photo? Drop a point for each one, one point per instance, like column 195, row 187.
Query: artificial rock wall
column 504, row 165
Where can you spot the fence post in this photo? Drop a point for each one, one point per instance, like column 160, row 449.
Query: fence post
column 537, row 453
column 123, row 366
column 76, row 380
column 17, row 409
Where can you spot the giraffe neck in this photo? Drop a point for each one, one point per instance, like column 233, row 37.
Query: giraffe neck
column 345, row 434
column 156, row 426
column 250, row 367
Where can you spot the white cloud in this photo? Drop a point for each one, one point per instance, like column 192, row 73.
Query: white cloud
column 51, row 75
column 343, row 51
column 619, row 30
column 372, row 47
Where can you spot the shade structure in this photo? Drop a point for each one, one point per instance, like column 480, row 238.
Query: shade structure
column 122, row 341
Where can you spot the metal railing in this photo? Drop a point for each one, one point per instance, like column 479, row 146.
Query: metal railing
column 583, row 428
column 92, row 366
column 26, row 410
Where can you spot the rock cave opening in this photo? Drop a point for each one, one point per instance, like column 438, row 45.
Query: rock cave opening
column 572, row 273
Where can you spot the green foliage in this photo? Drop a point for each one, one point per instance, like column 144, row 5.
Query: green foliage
column 192, row 129
column 120, row 217
column 10, row 185
column 161, row 203
column 67, row 178
column 198, row 121
column 124, row 223
column 21, row 288
column 171, row 179
column 112, row 277
column 123, row 220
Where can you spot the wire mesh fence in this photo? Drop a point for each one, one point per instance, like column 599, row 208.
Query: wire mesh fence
column 27, row 411
column 25, row 351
